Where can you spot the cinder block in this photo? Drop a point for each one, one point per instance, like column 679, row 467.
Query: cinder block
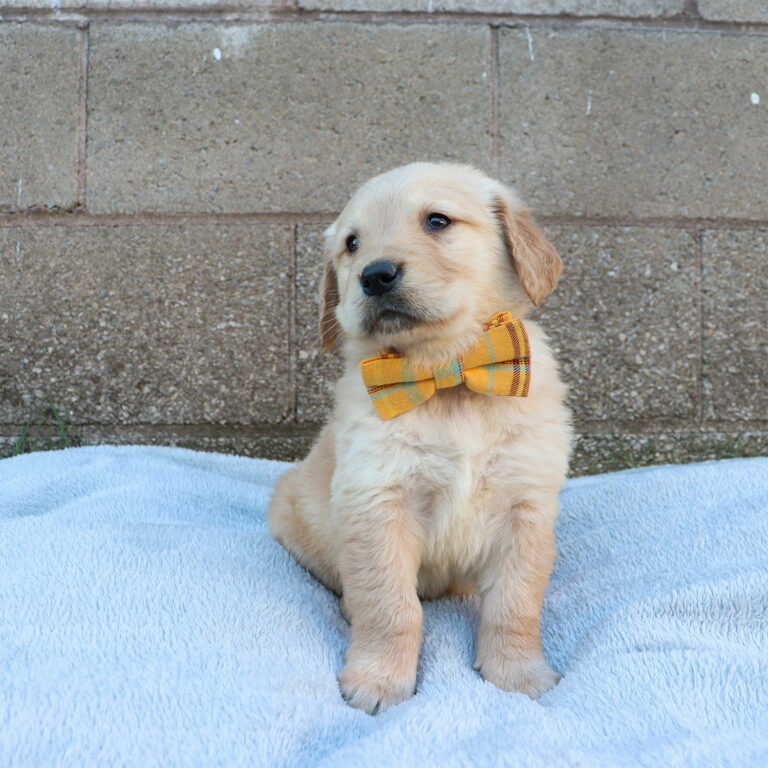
column 271, row 442
column 635, row 122
column 277, row 117
column 735, row 309
column 133, row 5
column 593, row 453
column 39, row 109
column 733, row 10
column 624, row 324
column 279, row 442
column 164, row 324
column 635, row 8
column 317, row 371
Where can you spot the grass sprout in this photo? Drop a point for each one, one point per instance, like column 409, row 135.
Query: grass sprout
column 52, row 427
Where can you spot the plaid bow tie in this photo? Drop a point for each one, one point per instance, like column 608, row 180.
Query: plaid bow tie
column 499, row 364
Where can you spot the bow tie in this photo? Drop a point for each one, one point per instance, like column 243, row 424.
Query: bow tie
column 498, row 364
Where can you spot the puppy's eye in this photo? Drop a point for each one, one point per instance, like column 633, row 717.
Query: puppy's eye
column 352, row 243
column 436, row 221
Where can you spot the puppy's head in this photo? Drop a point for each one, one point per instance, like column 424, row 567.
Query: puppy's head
column 423, row 255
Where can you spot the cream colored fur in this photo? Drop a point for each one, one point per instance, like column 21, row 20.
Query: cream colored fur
column 461, row 491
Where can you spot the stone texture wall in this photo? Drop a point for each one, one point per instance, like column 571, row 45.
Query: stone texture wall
column 167, row 168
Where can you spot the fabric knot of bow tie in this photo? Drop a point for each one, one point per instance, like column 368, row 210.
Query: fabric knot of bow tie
column 498, row 364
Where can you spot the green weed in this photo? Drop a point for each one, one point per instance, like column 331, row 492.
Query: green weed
column 52, row 429
column 623, row 458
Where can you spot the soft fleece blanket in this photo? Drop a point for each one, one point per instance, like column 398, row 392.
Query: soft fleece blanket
column 147, row 618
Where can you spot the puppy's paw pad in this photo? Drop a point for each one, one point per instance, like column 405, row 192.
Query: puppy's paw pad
column 373, row 693
column 532, row 676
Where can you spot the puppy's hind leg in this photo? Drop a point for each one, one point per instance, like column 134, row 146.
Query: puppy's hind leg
column 344, row 610
column 284, row 514
column 299, row 518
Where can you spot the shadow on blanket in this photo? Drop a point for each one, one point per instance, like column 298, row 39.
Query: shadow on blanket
column 149, row 619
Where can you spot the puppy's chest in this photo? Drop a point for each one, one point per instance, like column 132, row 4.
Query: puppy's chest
column 458, row 471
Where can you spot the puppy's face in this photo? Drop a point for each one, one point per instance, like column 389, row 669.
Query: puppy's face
column 423, row 255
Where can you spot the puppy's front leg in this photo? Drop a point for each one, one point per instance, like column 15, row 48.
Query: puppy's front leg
column 509, row 653
column 379, row 566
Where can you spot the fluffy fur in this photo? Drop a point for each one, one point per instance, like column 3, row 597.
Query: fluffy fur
column 459, row 493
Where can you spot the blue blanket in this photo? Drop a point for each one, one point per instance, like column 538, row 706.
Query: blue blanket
column 147, row 618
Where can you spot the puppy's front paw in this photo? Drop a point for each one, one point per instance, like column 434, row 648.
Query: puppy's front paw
column 526, row 673
column 373, row 690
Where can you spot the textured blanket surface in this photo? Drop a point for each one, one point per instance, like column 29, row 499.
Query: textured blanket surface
column 147, row 618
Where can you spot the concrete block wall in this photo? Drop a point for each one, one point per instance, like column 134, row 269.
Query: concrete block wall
column 167, row 168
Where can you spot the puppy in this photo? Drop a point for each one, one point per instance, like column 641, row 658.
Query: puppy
column 460, row 492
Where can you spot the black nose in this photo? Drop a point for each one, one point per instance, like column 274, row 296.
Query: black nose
column 379, row 277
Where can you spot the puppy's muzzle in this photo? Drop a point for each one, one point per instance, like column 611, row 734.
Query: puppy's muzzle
column 380, row 277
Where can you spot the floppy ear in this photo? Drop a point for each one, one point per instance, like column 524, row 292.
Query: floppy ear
column 329, row 298
column 534, row 257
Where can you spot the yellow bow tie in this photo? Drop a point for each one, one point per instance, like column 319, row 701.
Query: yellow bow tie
column 499, row 364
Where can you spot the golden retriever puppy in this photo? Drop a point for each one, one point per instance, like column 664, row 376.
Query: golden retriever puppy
column 459, row 492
